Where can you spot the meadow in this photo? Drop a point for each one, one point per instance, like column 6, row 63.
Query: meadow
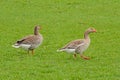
column 61, row 22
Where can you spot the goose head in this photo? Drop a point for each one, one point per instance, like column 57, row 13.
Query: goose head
column 90, row 30
column 36, row 30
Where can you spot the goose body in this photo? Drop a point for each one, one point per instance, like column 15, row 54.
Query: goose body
column 72, row 46
column 30, row 42
column 78, row 46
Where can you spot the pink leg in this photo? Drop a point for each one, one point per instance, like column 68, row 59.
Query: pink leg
column 74, row 56
column 84, row 57
column 32, row 52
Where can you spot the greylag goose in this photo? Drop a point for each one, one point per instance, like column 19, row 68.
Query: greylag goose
column 79, row 46
column 30, row 42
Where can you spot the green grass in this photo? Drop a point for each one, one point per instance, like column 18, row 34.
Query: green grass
column 61, row 21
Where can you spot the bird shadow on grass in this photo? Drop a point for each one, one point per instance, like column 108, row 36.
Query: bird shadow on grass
column 78, row 58
column 23, row 54
column 69, row 57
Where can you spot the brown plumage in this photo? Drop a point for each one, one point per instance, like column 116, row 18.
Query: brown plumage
column 80, row 45
column 30, row 42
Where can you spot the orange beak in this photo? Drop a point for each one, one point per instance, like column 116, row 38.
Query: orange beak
column 94, row 30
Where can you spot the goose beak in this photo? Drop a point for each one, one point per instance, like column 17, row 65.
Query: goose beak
column 94, row 30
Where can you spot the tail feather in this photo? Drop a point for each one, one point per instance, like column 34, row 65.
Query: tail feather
column 60, row 50
column 15, row 46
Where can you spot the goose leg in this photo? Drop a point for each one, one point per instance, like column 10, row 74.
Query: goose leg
column 74, row 56
column 84, row 57
column 32, row 51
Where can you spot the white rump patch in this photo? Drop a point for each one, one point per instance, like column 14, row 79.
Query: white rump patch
column 15, row 46
column 25, row 46
column 67, row 50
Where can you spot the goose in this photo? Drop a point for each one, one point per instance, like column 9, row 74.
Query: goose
column 30, row 42
column 78, row 46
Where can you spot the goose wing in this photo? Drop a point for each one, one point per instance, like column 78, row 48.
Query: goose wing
column 32, row 39
column 74, row 44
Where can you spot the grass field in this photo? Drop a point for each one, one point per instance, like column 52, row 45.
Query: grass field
column 61, row 21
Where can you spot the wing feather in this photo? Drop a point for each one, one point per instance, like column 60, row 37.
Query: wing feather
column 32, row 39
column 74, row 44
